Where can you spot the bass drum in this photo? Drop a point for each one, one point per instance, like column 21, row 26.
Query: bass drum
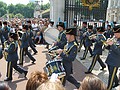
column 51, row 35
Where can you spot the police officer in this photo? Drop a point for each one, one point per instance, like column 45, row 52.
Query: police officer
column 31, row 37
column 82, row 39
column 88, row 42
column 24, row 46
column 12, row 57
column 61, row 42
column 97, row 51
column 112, row 60
column 68, row 55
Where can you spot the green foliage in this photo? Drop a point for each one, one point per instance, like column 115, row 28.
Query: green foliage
column 20, row 10
column 19, row 15
column 10, row 15
column 45, row 7
column 3, row 7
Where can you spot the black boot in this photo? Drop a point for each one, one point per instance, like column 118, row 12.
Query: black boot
column 8, row 79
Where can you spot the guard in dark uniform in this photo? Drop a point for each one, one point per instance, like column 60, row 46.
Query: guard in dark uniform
column 113, row 59
column 82, row 39
column 88, row 42
column 6, row 30
column 97, row 51
column 62, row 41
column 24, row 46
column 95, row 28
column 30, row 37
column 12, row 57
column 108, row 33
column 77, row 31
column 68, row 55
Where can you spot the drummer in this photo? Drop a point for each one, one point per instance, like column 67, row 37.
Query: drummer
column 68, row 55
column 61, row 42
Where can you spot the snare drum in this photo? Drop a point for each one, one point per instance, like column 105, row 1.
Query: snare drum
column 55, row 66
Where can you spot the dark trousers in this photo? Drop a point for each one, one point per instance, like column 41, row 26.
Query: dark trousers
column 95, row 59
column 10, row 66
column 112, row 76
column 86, row 51
column 82, row 42
column 25, row 50
column 32, row 47
column 71, row 79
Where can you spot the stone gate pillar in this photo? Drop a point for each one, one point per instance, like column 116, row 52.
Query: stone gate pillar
column 57, row 8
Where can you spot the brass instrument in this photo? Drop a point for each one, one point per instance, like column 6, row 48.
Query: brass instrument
column 6, row 45
column 92, row 36
column 109, row 40
column 19, row 35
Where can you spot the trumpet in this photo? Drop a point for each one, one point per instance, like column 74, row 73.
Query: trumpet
column 92, row 36
column 113, row 39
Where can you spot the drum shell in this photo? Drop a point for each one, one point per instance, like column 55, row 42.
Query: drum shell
column 51, row 35
column 55, row 66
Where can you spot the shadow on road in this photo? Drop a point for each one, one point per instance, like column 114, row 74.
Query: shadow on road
column 13, row 85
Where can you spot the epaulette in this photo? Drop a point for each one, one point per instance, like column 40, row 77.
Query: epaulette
column 75, row 43
column 64, row 31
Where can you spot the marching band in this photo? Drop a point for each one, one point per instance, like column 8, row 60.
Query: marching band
column 65, row 48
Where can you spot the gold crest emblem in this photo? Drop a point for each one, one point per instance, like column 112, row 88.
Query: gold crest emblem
column 91, row 3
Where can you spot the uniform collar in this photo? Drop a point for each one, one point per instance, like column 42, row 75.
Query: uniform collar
column 71, row 42
column 61, row 31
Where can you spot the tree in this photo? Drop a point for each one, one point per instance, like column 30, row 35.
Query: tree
column 10, row 15
column 20, row 9
column 19, row 15
column 45, row 7
column 3, row 8
column 11, row 8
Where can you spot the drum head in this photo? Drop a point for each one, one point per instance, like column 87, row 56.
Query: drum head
column 51, row 35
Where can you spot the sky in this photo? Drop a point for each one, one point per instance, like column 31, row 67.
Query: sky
column 22, row 1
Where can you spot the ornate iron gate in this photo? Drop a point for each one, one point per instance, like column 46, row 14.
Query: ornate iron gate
column 75, row 10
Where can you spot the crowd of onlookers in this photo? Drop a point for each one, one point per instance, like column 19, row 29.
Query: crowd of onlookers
column 40, row 81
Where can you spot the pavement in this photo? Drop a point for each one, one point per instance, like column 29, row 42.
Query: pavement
column 103, row 75
column 79, row 67
column 19, row 82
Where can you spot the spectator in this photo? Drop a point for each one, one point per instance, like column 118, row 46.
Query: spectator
column 38, row 38
column 53, row 84
column 36, row 79
column 49, row 85
column 92, row 83
column 4, row 86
